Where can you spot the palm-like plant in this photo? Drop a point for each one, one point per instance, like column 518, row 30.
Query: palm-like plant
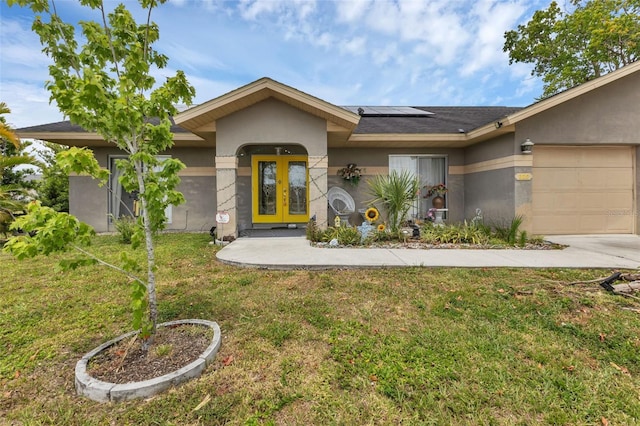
column 396, row 194
column 10, row 194
column 5, row 131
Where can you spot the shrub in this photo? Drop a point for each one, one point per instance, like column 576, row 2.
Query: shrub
column 396, row 193
column 126, row 226
column 314, row 233
column 346, row 235
column 537, row 240
column 453, row 234
column 508, row 233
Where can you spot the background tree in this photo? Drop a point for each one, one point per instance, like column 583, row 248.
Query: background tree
column 13, row 187
column 568, row 48
column 53, row 187
column 106, row 85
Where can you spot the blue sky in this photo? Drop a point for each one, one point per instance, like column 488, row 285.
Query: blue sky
column 351, row 52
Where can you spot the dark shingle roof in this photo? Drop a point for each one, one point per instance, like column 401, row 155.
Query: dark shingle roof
column 443, row 120
column 67, row 126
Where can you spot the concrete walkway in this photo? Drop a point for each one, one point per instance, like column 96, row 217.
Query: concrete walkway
column 584, row 251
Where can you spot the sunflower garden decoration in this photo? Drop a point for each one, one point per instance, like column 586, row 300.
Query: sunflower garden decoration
column 371, row 215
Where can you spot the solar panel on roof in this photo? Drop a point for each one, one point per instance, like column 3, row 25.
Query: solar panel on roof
column 388, row 111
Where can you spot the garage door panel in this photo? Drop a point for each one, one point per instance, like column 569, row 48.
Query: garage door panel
column 547, row 179
column 613, row 156
column 587, row 179
column 617, row 201
column 617, row 223
column 579, row 190
column 583, row 224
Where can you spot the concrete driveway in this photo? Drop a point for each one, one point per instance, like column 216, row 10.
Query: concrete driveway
column 624, row 246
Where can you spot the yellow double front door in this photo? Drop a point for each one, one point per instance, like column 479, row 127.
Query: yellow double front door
column 280, row 188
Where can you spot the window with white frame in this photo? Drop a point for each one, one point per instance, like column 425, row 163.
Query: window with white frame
column 121, row 202
column 429, row 169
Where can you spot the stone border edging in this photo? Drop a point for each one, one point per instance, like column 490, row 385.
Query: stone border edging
column 100, row 391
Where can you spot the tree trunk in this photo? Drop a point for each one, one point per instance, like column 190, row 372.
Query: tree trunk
column 148, row 235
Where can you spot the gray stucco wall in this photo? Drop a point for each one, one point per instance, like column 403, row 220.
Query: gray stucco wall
column 271, row 122
column 500, row 147
column 244, row 202
column 493, row 192
column 89, row 202
column 199, row 211
column 257, row 130
column 376, row 158
column 606, row 115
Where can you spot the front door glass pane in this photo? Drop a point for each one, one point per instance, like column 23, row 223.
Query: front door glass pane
column 267, row 187
column 297, row 188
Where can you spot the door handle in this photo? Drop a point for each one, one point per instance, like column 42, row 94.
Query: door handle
column 284, row 197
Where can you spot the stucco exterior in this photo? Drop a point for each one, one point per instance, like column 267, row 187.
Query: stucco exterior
column 198, row 184
column 485, row 166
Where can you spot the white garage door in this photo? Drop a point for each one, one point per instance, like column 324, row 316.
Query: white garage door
column 582, row 190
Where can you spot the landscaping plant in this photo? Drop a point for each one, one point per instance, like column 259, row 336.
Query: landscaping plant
column 106, row 85
column 345, row 235
column 396, row 193
column 13, row 188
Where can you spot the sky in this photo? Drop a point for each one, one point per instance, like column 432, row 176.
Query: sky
column 348, row 52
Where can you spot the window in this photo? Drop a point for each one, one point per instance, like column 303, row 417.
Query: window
column 121, row 202
column 430, row 170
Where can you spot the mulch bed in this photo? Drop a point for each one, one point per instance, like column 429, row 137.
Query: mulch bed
column 414, row 244
column 174, row 347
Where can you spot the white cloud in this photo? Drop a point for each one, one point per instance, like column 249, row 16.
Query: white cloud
column 190, row 58
column 22, row 56
column 350, row 11
column 355, row 46
column 29, row 104
column 492, row 19
column 386, row 53
column 252, row 9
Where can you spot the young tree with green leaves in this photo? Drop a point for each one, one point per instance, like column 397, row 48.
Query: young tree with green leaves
column 568, row 48
column 106, row 85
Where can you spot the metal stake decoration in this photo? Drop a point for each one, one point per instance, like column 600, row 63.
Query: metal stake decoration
column 222, row 218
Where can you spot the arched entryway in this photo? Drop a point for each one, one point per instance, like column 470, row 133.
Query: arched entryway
column 273, row 185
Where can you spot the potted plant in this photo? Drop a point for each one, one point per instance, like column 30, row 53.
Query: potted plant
column 351, row 173
column 437, row 192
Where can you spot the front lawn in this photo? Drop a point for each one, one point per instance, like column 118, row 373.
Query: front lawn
column 380, row 346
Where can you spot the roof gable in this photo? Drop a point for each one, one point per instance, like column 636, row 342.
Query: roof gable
column 572, row 93
column 200, row 118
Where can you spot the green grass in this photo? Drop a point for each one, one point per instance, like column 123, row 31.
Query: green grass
column 381, row 346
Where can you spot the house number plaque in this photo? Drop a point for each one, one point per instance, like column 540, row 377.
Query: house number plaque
column 523, row 176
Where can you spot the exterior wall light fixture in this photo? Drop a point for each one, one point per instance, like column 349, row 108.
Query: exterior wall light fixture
column 527, row 146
